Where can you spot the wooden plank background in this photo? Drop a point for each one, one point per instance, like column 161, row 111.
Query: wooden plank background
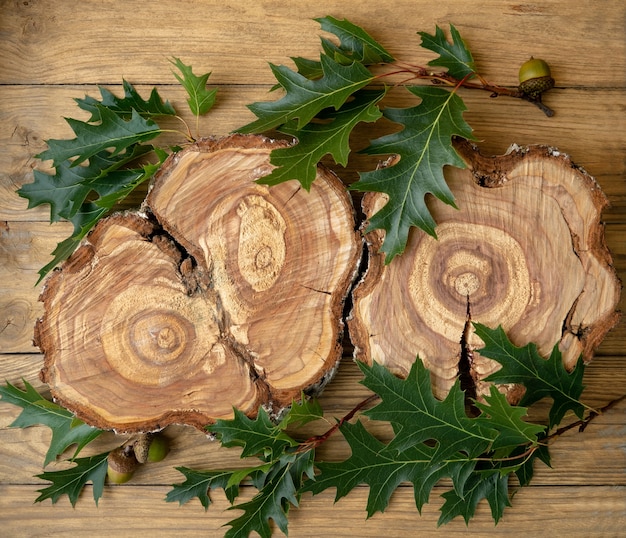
column 55, row 50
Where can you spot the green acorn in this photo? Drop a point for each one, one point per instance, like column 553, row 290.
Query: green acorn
column 150, row 447
column 159, row 448
column 121, row 465
column 535, row 78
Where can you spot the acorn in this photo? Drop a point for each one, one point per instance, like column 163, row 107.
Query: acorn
column 535, row 78
column 159, row 448
column 150, row 447
column 121, row 465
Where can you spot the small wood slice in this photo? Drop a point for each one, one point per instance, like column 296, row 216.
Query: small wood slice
column 524, row 250
column 222, row 292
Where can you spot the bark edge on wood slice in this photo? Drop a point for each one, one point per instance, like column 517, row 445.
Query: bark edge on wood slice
column 219, row 293
column 525, row 249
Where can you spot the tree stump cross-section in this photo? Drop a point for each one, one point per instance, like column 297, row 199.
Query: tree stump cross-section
column 220, row 293
column 524, row 250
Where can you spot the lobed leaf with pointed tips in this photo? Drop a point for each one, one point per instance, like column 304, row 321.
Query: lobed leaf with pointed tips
column 408, row 402
column 113, row 131
column 543, row 378
column 305, row 98
column 66, row 429
column 201, row 100
column 154, row 106
column 316, row 140
column 455, row 56
column 71, row 481
column 424, row 147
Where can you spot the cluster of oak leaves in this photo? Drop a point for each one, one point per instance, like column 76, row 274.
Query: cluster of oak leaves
column 432, row 439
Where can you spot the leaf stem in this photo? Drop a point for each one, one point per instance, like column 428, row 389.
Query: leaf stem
column 317, row 440
column 436, row 78
column 188, row 134
column 584, row 422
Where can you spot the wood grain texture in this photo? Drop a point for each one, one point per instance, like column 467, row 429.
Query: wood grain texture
column 44, row 41
column 53, row 51
column 188, row 299
column 580, row 513
column 523, row 250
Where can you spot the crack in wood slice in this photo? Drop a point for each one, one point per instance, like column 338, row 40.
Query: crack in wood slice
column 525, row 248
column 465, row 372
column 222, row 292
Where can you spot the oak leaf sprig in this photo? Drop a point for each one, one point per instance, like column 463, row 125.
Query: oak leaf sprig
column 109, row 156
column 321, row 106
column 432, row 440
column 279, row 476
column 67, row 431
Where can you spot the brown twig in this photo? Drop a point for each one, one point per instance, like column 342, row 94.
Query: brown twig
column 421, row 73
column 315, row 441
column 584, row 422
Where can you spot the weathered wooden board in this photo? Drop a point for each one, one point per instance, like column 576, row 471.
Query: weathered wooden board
column 574, row 512
column 52, row 42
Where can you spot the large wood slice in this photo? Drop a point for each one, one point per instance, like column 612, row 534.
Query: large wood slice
column 524, row 250
column 222, row 292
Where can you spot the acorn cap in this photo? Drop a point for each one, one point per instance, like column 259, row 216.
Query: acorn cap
column 534, row 87
column 141, row 447
column 121, row 460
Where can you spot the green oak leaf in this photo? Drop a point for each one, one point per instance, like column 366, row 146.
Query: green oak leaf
column 302, row 412
column 153, row 107
column 526, row 470
column 113, row 131
column 507, row 419
column 117, row 185
column 305, row 98
column 66, row 429
column 316, row 139
column 384, row 468
column 200, row 99
column 355, row 43
column 83, row 221
column 492, row 486
column 455, row 56
column 424, row 147
column 64, row 191
column 68, row 188
column 259, row 436
column 311, row 69
column 541, row 377
column 199, row 483
column 280, row 488
column 71, row 481
column 417, row 416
